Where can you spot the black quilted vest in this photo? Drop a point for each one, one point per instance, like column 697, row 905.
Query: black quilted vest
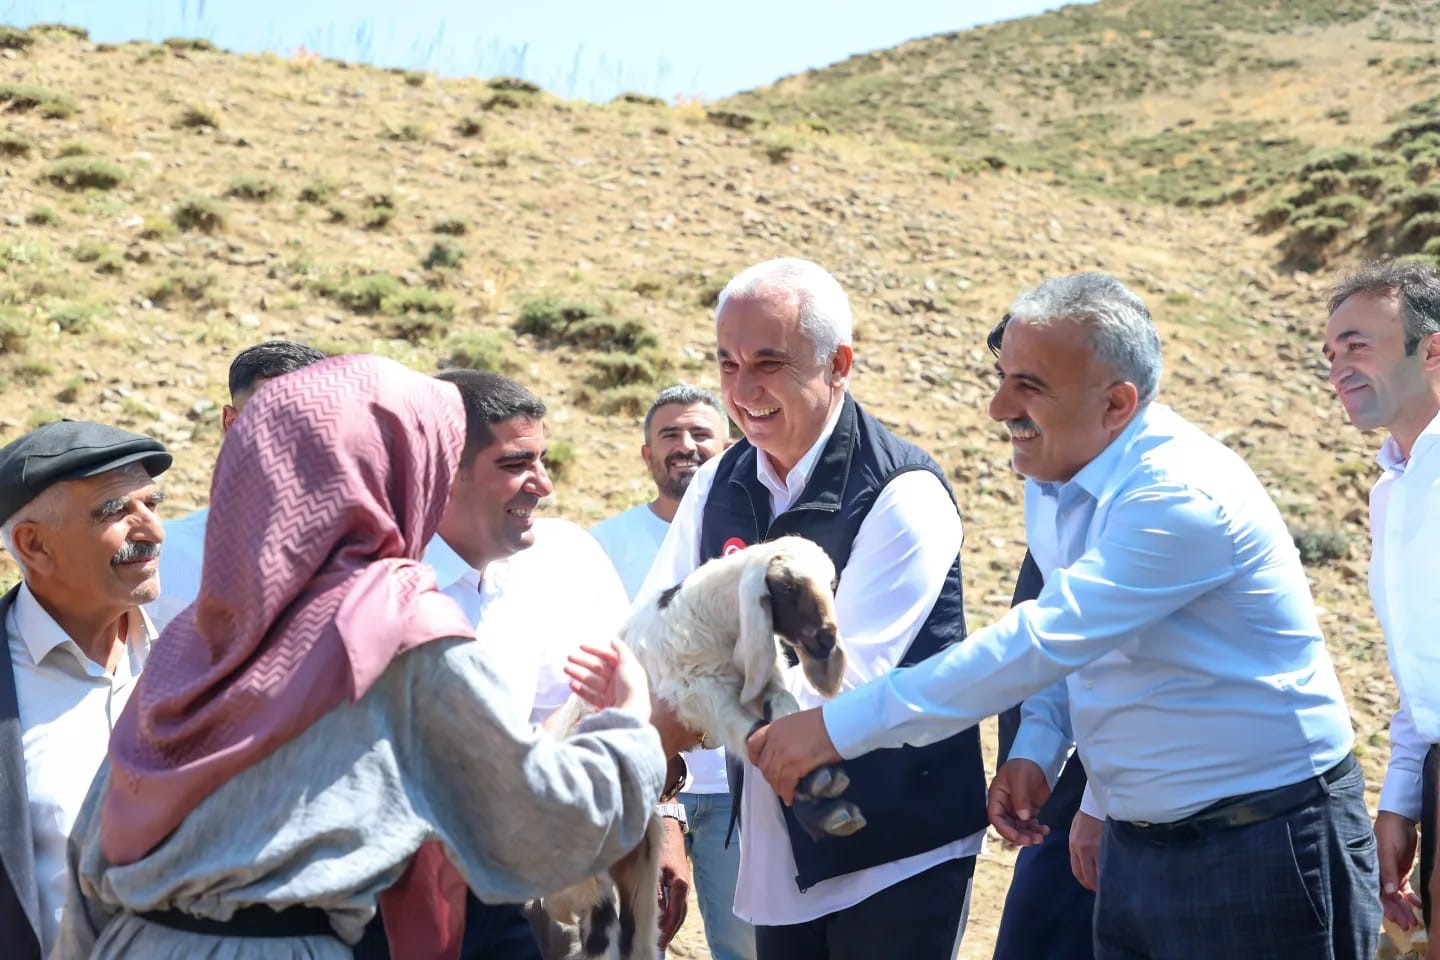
column 914, row 798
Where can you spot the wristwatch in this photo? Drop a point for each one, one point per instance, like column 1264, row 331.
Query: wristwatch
column 675, row 811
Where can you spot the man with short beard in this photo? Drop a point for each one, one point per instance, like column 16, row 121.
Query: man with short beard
column 684, row 428
column 78, row 507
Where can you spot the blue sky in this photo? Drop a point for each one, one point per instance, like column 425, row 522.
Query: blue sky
column 577, row 48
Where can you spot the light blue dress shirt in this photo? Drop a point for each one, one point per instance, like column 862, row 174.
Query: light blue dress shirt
column 1179, row 618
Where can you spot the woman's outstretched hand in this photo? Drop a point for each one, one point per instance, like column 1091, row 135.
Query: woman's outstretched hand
column 609, row 676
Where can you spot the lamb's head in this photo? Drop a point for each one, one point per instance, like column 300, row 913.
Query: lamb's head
column 788, row 590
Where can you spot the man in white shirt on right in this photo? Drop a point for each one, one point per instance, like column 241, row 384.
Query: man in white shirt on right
column 683, row 429
column 1383, row 346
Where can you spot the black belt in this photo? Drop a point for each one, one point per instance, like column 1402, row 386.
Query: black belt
column 253, row 921
column 1241, row 811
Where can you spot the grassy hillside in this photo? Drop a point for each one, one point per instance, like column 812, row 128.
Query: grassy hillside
column 165, row 205
column 1185, row 101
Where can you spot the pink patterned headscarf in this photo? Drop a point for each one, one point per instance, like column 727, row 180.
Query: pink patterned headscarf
column 326, row 491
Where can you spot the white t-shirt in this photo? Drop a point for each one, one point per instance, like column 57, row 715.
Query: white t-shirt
column 532, row 609
column 631, row 540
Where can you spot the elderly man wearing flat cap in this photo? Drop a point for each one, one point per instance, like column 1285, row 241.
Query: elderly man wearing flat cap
column 77, row 512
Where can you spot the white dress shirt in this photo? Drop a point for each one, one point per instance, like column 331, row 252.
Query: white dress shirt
column 68, row 706
column 532, row 609
column 1179, row 618
column 180, row 558
column 1405, row 532
column 631, row 540
column 901, row 556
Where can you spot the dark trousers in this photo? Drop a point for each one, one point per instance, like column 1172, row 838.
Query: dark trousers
column 1047, row 913
column 493, row 931
column 919, row 918
column 1302, row 884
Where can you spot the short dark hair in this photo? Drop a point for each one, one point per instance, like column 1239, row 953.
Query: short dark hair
column 1417, row 285
column 685, row 395
column 489, row 399
column 268, row 360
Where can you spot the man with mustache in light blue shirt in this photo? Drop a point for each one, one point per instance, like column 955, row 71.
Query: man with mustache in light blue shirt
column 1174, row 643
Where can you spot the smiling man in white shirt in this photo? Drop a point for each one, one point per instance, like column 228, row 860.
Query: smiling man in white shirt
column 1383, row 346
column 814, row 463
column 77, row 512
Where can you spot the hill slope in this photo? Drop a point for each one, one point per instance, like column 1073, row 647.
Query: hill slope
column 165, row 206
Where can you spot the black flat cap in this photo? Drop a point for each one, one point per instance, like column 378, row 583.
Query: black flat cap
column 70, row 450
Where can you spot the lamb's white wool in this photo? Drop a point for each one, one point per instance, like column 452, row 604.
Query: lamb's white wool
column 708, row 646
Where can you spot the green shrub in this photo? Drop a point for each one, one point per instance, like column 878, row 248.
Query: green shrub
column 451, row 227
column 13, row 39
column 317, row 192
column 1347, row 206
column 414, row 301
column 71, row 391
column 14, row 145
column 198, row 116
column 618, row 369
column 84, row 173
column 513, row 84
column 42, row 217
column 22, row 97
column 56, row 109
column 200, row 213
column 1417, row 231
column 407, row 133
column 73, row 148
column 192, row 285
column 444, row 254
column 14, row 335
column 415, row 78
column 156, row 228
column 253, row 187
column 105, row 258
column 468, row 126
column 32, row 371
column 631, row 401
column 64, row 29
column 560, row 457
column 491, row 350
column 603, row 333
column 1318, row 547
column 1274, row 215
column 183, row 44
column 1342, row 159
column 639, row 99
column 548, row 318
column 1419, row 200
column 360, row 294
column 1317, row 231
column 72, row 318
column 378, row 217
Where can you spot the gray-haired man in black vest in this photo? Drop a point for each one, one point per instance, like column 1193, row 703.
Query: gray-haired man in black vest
column 814, row 463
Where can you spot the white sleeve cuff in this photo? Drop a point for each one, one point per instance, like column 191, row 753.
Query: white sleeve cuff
column 854, row 720
column 1400, row 793
column 1090, row 804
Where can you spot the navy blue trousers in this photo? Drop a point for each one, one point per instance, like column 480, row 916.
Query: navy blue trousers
column 1047, row 913
column 920, row 918
column 1303, row 884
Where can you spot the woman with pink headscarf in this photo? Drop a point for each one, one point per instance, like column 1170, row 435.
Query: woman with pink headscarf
column 321, row 715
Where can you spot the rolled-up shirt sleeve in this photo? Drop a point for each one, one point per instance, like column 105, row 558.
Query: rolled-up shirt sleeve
column 1400, row 793
column 1161, row 546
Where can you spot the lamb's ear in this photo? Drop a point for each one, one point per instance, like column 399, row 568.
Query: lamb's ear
column 755, row 646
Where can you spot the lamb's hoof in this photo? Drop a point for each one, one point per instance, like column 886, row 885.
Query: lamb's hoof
column 825, row 782
column 822, row 818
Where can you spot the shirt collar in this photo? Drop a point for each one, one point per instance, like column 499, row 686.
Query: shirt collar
column 1390, row 457
column 42, row 634
column 1095, row 476
column 450, row 568
column 799, row 474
